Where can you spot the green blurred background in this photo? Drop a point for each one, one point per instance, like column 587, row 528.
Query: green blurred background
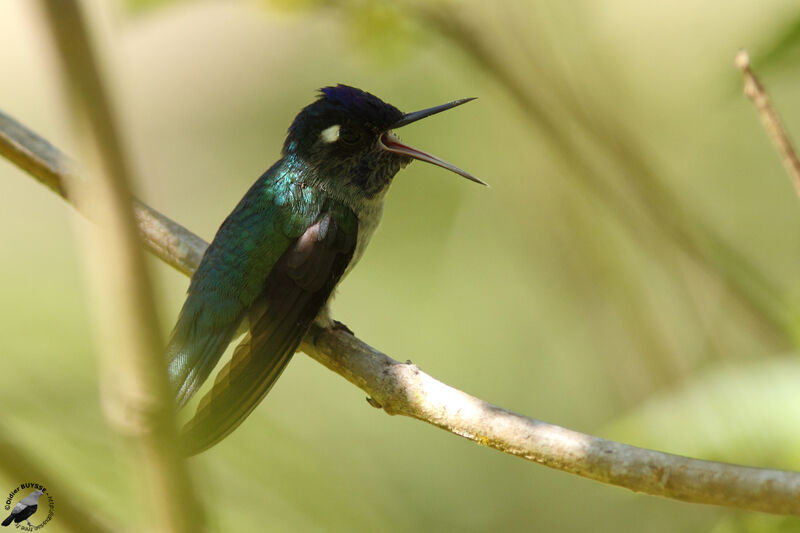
column 631, row 272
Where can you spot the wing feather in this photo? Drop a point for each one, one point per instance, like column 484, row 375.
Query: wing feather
column 232, row 274
column 297, row 288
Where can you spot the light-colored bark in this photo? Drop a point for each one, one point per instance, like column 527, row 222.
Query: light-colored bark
column 769, row 118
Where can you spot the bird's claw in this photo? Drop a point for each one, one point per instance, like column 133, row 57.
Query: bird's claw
column 341, row 327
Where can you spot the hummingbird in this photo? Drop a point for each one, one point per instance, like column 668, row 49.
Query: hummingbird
column 277, row 258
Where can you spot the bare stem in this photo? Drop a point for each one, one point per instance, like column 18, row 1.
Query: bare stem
column 134, row 386
column 404, row 389
column 772, row 123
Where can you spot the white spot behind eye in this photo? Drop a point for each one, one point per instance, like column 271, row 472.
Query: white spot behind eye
column 330, row 134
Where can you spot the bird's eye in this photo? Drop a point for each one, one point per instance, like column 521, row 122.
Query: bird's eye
column 349, row 136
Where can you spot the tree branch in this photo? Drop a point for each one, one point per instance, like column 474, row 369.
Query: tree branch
column 769, row 118
column 402, row 388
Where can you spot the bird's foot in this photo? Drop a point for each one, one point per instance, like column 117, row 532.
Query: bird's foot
column 374, row 403
column 341, row 327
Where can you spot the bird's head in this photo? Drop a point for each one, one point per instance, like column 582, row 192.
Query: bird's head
column 346, row 138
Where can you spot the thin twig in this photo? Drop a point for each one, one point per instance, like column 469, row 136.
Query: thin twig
column 404, row 389
column 134, row 385
column 772, row 123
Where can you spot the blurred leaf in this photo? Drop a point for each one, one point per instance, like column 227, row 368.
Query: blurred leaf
column 138, row 6
column 377, row 29
column 756, row 523
column 297, row 5
column 785, row 47
column 744, row 414
column 382, row 31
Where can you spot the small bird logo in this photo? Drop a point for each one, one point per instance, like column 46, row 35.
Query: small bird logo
column 24, row 509
column 277, row 258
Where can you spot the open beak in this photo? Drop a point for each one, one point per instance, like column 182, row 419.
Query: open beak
column 390, row 142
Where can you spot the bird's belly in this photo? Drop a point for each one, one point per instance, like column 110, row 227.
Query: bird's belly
column 366, row 227
column 369, row 216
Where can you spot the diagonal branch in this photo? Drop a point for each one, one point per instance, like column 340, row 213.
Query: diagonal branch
column 769, row 118
column 402, row 388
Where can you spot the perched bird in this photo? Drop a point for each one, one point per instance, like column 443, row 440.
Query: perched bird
column 24, row 509
column 276, row 259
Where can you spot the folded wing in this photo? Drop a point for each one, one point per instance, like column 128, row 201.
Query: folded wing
column 297, row 288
